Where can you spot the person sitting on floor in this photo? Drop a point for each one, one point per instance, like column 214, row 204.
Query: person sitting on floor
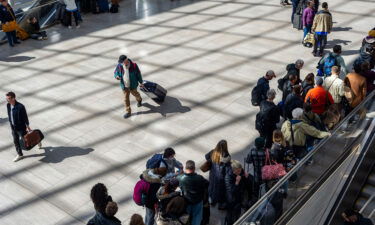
column 32, row 27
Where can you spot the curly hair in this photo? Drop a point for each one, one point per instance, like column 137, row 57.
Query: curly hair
column 99, row 196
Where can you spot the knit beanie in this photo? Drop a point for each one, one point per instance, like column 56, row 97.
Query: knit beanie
column 297, row 113
column 259, row 142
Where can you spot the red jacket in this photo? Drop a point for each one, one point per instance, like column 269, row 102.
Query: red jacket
column 318, row 98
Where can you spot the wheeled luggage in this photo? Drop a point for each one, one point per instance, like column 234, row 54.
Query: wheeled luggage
column 297, row 21
column 32, row 138
column 154, row 91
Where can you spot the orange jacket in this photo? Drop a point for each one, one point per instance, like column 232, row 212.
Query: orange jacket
column 318, row 98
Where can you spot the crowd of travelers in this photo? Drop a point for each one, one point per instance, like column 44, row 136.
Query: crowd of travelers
column 288, row 130
column 176, row 194
column 66, row 10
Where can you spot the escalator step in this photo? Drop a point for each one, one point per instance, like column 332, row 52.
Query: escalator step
column 371, row 179
column 368, row 190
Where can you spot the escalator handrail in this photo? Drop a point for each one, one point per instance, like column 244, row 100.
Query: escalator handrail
column 302, row 162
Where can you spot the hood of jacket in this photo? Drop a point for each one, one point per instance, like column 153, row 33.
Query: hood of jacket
column 150, row 177
column 160, row 194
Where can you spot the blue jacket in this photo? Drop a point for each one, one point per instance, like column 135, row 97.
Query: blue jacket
column 5, row 15
column 264, row 85
column 135, row 75
column 19, row 117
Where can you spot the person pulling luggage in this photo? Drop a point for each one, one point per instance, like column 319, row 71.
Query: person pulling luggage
column 19, row 122
column 129, row 79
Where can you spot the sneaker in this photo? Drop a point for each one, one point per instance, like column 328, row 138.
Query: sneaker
column 18, row 158
column 127, row 115
column 45, row 38
column 78, row 26
column 139, row 104
column 70, row 27
column 40, row 38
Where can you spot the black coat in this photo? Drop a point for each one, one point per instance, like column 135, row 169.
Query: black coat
column 216, row 188
column 5, row 15
column 193, row 187
column 292, row 102
column 19, row 116
column 271, row 113
column 236, row 193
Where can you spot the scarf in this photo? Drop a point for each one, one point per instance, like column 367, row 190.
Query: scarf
column 127, row 76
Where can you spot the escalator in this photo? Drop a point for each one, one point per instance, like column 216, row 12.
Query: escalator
column 342, row 176
column 44, row 10
column 366, row 201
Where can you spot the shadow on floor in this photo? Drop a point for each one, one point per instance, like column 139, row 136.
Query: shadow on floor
column 350, row 52
column 341, row 28
column 58, row 154
column 334, row 42
column 17, row 59
column 170, row 105
column 3, row 120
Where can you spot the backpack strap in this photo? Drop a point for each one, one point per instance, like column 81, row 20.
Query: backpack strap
column 291, row 131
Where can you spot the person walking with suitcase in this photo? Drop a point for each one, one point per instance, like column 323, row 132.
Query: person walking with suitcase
column 19, row 122
column 129, row 79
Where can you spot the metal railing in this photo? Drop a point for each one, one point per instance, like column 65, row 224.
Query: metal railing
column 259, row 210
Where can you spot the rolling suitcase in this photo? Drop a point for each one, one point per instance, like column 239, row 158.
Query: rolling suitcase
column 32, row 138
column 154, row 91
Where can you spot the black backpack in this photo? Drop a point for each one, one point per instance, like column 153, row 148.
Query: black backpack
column 282, row 81
column 256, row 96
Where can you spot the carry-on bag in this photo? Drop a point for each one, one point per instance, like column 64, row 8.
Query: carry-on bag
column 32, row 138
column 154, row 91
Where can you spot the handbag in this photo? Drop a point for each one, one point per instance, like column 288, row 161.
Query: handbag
column 10, row 26
column 206, row 166
column 272, row 170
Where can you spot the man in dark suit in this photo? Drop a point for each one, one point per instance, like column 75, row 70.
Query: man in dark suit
column 19, row 122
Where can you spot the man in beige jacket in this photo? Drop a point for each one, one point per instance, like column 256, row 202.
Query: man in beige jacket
column 335, row 85
column 322, row 26
column 296, row 130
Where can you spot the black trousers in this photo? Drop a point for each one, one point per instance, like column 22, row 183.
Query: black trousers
column 75, row 15
column 18, row 140
column 321, row 41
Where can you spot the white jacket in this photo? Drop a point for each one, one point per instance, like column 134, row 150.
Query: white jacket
column 70, row 5
column 336, row 87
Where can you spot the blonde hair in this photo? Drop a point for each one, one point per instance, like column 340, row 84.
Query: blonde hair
column 335, row 69
column 236, row 164
column 220, row 150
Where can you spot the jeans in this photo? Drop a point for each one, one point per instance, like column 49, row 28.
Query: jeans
column 321, row 41
column 12, row 38
column 18, row 140
column 127, row 93
column 196, row 213
column 36, row 36
column 294, row 8
column 306, row 30
column 150, row 216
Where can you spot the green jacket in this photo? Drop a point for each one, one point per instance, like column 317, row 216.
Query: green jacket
column 134, row 75
column 300, row 130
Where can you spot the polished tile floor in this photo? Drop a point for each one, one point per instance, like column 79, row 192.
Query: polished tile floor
column 207, row 54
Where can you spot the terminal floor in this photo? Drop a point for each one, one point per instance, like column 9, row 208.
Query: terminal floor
column 207, row 54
